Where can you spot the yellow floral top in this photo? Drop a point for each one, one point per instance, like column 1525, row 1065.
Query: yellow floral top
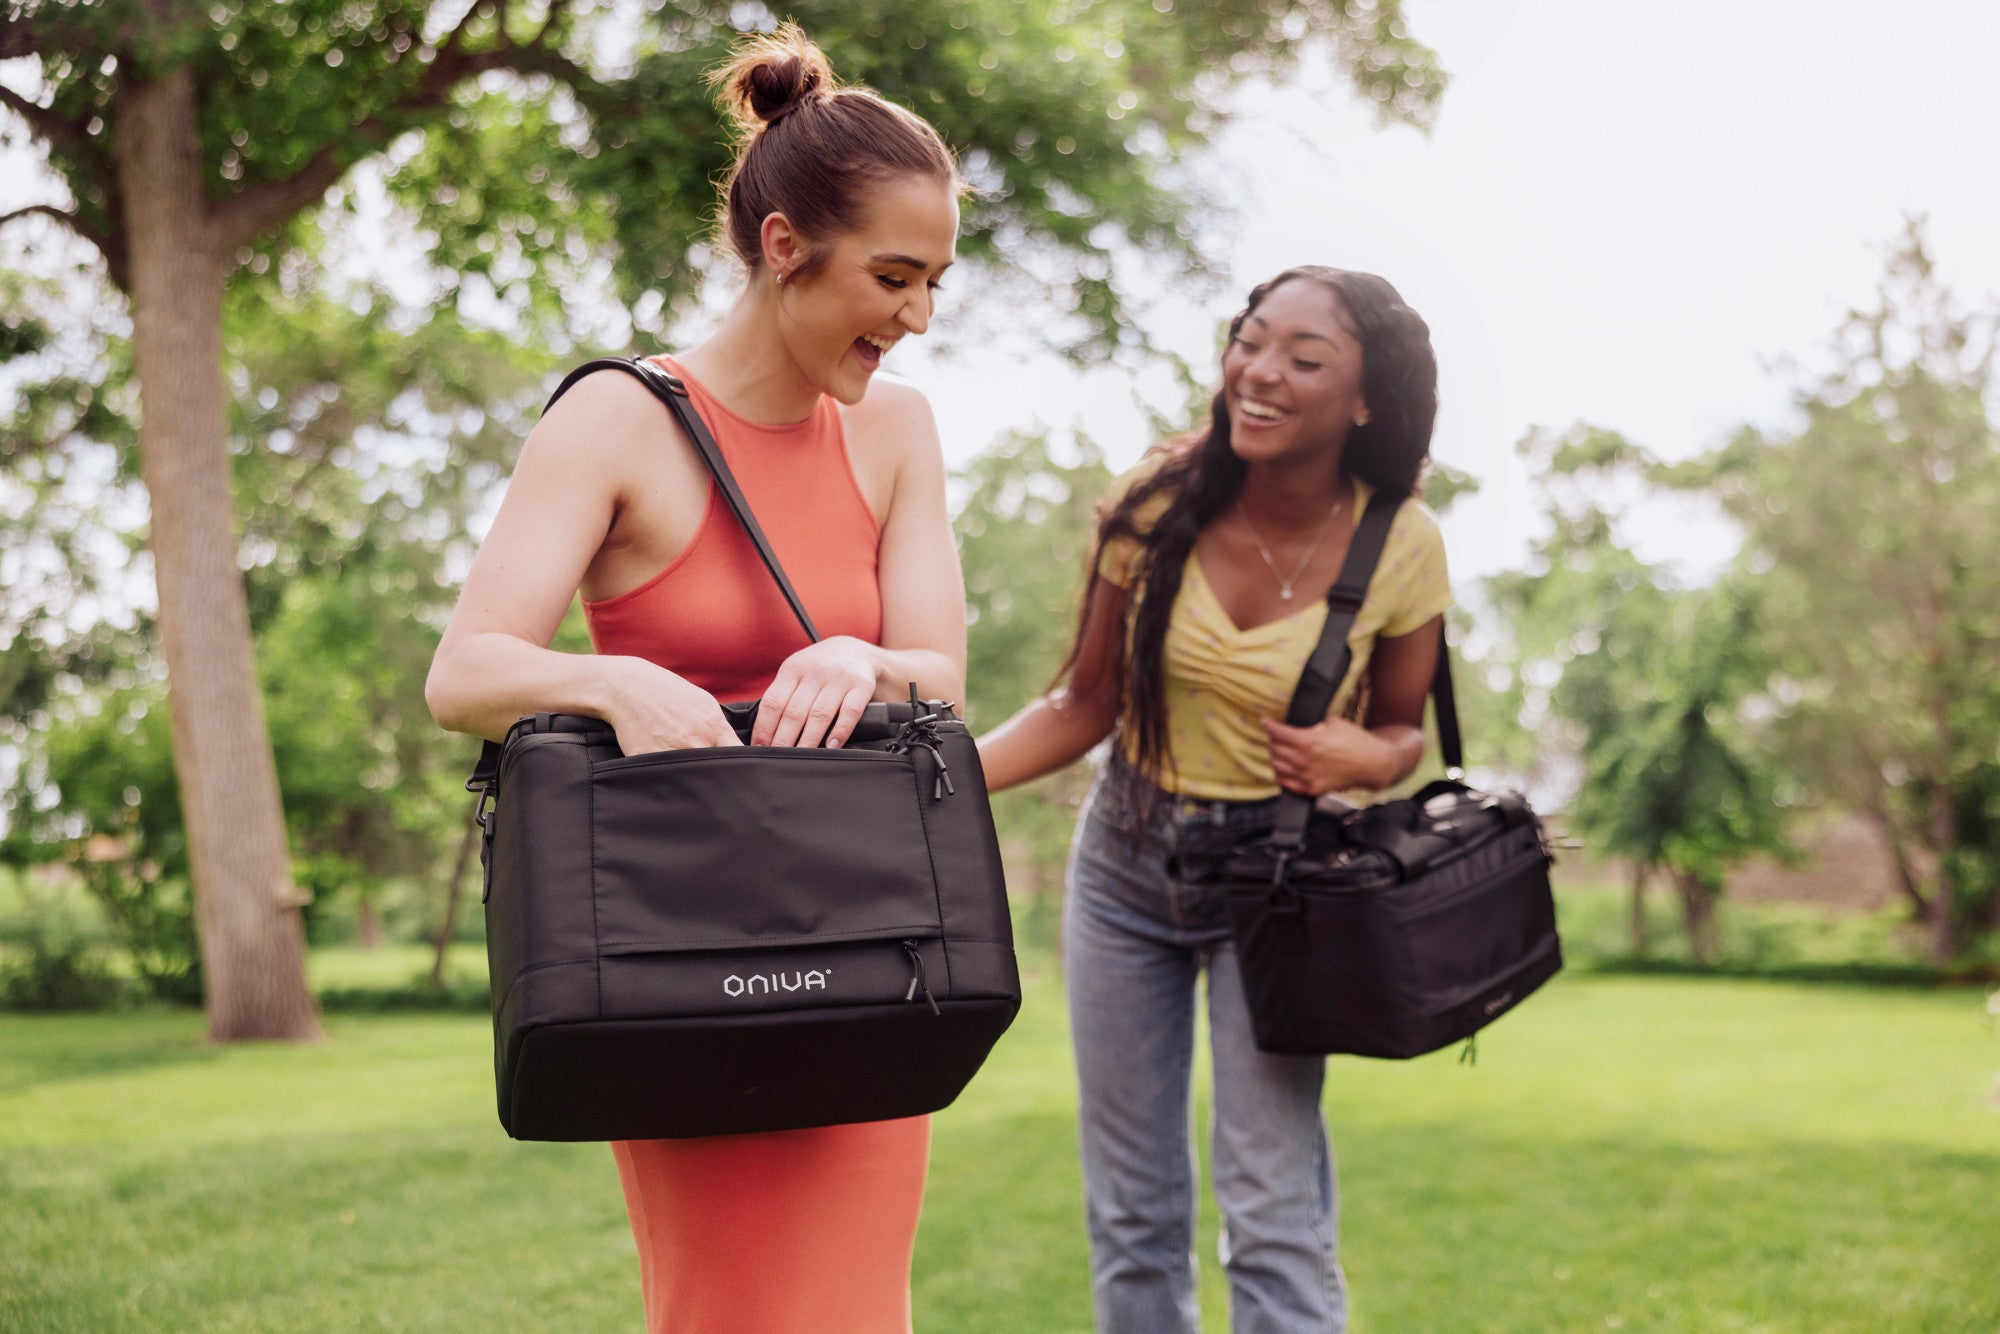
column 1221, row 680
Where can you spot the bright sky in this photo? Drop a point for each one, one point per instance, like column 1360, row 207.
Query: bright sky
column 1625, row 215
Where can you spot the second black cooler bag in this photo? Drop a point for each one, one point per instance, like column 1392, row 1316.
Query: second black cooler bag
column 1393, row 929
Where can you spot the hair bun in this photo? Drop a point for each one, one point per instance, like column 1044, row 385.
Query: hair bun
column 773, row 75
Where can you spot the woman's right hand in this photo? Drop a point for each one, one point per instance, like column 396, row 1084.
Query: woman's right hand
column 652, row 709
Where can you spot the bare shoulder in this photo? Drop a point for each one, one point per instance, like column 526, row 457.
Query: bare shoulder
column 893, row 415
column 598, row 418
column 893, row 446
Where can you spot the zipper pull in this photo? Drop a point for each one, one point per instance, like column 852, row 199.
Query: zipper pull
column 943, row 783
column 917, row 982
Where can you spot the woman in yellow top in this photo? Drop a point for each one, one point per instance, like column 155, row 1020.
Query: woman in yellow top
column 1214, row 558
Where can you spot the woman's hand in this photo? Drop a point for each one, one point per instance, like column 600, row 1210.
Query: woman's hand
column 819, row 692
column 1331, row 756
column 652, row 709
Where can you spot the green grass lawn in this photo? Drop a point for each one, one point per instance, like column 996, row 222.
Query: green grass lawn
column 1645, row 1154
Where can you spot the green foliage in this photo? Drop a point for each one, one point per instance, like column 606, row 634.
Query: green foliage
column 54, row 544
column 1680, row 782
column 552, row 163
column 531, row 161
column 365, row 437
column 1025, row 532
column 1654, row 690
column 1870, row 529
column 1776, row 941
column 99, row 793
column 1444, row 486
column 1071, row 121
column 52, row 947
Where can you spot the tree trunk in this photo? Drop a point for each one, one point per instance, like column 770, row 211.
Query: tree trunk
column 1899, row 856
column 1944, row 905
column 1640, row 874
column 246, row 907
column 466, row 843
column 1698, row 910
column 367, row 925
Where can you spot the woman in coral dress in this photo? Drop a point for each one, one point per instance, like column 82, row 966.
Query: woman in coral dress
column 843, row 209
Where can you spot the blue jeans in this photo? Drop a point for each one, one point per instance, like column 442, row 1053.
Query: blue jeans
column 1136, row 939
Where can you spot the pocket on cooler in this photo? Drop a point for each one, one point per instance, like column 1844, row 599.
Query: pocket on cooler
column 771, row 845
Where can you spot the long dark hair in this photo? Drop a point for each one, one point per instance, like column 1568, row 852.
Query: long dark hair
column 1201, row 474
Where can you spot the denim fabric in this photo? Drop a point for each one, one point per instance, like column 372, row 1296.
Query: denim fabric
column 1137, row 937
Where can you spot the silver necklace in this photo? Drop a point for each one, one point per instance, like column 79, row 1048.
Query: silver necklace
column 1284, row 584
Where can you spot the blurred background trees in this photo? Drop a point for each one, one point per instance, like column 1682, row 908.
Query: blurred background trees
column 1872, row 532
column 1846, row 660
column 550, row 168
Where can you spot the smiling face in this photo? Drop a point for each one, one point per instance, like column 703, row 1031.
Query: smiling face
column 1291, row 377
column 868, row 288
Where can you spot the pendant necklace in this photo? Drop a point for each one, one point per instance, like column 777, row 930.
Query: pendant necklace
column 1284, row 584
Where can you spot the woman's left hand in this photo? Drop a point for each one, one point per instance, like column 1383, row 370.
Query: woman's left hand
column 1331, row 756
column 820, row 691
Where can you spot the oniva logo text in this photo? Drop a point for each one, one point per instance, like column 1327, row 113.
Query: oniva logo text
column 756, row 982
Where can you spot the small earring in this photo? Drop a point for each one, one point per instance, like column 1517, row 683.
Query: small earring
column 1361, row 417
column 781, row 277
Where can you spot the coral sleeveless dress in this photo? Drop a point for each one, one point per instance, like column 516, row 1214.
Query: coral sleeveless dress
column 803, row 1230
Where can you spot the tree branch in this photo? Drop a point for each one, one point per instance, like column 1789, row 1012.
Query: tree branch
column 257, row 208
column 18, row 38
column 43, row 121
column 63, row 216
column 252, row 211
column 74, row 222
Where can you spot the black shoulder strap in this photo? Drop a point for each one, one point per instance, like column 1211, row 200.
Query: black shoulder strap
column 1331, row 657
column 1327, row 667
column 1445, row 704
column 667, row 387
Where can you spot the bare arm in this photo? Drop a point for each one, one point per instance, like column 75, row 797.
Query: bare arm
column 923, row 590
column 821, row 690
column 1052, row 732
column 493, row 664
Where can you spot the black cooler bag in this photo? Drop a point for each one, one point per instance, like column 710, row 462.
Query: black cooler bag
column 1397, row 929
column 829, row 941
column 1394, row 929
column 725, row 940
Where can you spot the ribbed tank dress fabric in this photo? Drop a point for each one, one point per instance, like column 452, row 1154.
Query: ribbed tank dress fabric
column 804, row 1230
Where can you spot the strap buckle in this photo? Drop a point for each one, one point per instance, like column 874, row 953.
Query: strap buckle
column 647, row 366
column 1347, row 601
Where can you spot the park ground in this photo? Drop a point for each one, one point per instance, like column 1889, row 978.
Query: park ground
column 1645, row 1153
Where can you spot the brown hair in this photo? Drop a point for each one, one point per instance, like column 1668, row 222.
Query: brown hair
column 812, row 149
